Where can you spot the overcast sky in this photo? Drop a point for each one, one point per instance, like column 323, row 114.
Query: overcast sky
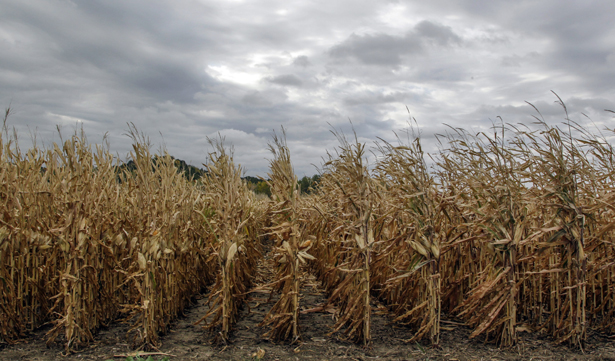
column 192, row 69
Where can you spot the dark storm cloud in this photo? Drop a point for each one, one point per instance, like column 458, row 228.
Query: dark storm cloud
column 378, row 49
column 138, row 47
column 286, row 79
column 388, row 50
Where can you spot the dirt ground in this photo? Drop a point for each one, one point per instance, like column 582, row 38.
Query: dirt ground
column 188, row 342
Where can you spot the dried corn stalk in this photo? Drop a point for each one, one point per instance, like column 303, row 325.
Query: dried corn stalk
column 497, row 199
column 557, row 164
column 349, row 250
column 417, row 228
column 228, row 213
column 164, row 250
column 94, row 245
column 290, row 247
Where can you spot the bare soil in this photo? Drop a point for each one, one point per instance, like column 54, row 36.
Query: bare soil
column 188, row 342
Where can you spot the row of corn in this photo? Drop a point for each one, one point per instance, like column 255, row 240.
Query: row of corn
column 509, row 231
column 85, row 242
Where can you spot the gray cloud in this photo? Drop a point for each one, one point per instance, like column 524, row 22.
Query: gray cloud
column 516, row 60
column 379, row 49
column 439, row 34
column 378, row 98
column 388, row 50
column 286, row 79
column 191, row 69
column 302, row 61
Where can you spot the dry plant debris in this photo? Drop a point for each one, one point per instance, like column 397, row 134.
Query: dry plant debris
column 511, row 231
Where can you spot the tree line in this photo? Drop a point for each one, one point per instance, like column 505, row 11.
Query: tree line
column 307, row 185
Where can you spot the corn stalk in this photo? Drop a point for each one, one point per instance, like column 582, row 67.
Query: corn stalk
column 228, row 213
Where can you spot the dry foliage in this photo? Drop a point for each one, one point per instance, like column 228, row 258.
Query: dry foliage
column 84, row 243
column 290, row 246
column 344, row 247
column 229, row 213
column 413, row 228
column 510, row 230
column 507, row 231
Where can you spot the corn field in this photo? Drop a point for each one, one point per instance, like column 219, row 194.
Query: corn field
column 506, row 230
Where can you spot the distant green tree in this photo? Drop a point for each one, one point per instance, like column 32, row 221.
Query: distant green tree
column 251, row 180
column 309, row 184
column 262, row 188
column 189, row 171
column 304, row 184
